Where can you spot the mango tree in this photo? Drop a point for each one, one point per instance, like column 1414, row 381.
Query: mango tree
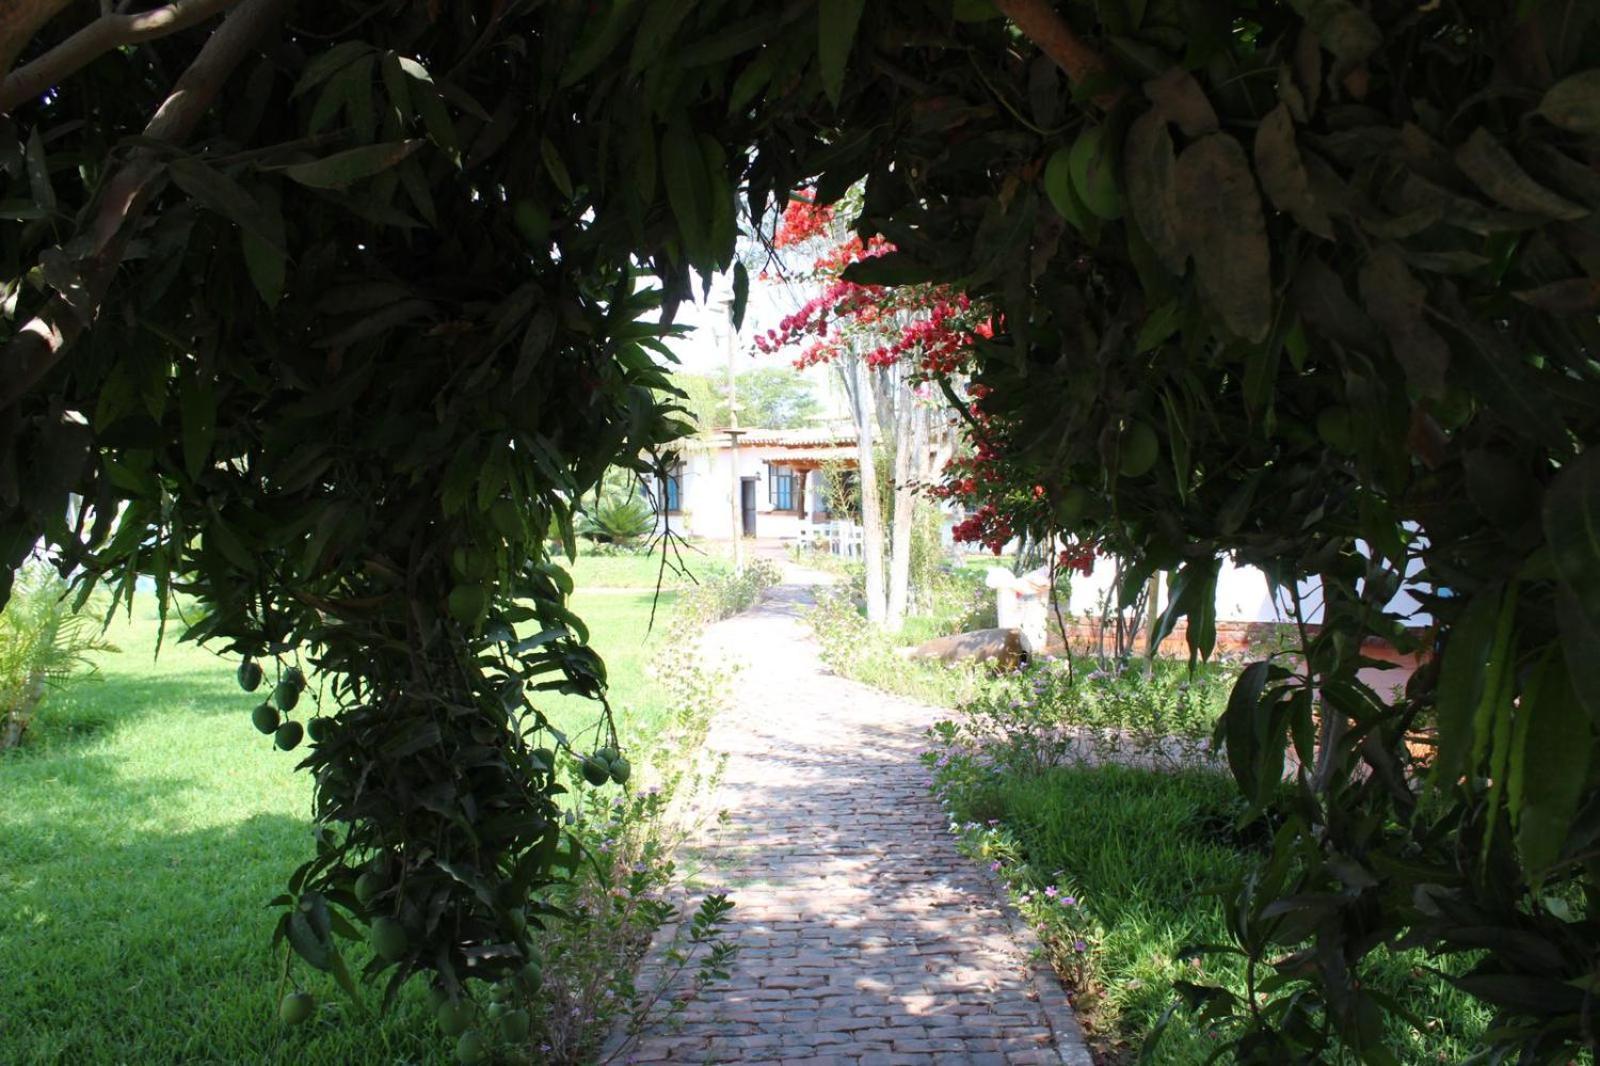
column 327, row 313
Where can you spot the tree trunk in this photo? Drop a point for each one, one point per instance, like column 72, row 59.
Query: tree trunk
column 909, row 449
column 871, row 508
column 18, row 716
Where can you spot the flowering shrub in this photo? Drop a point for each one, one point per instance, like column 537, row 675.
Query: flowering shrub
column 1049, row 904
column 934, row 330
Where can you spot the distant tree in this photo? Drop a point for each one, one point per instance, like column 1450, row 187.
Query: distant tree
column 769, row 397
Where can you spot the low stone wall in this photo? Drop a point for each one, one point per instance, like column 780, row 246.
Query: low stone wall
column 1234, row 639
column 1241, row 640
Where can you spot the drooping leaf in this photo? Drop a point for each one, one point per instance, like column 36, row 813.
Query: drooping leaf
column 1494, row 170
column 352, row 165
column 198, row 406
column 556, row 167
column 1551, row 751
column 430, row 107
column 1178, row 98
column 741, row 294
column 265, row 259
column 1343, row 29
column 1283, row 173
column 600, row 38
column 1148, row 164
column 837, row 21
column 1573, row 103
column 217, row 192
column 1572, row 526
column 316, row 950
column 1396, row 300
column 1239, row 727
column 1462, row 684
column 657, row 26
column 682, row 169
column 1226, row 233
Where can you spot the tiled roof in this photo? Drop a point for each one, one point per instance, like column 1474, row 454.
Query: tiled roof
column 809, row 437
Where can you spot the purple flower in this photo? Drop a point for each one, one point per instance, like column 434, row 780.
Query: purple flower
column 1050, row 892
column 1079, row 946
column 1069, row 901
column 994, row 867
column 993, row 822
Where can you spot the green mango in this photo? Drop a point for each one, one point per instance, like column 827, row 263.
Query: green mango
column 389, row 939
column 266, row 718
column 289, row 735
column 1094, row 173
column 249, row 676
column 296, row 1008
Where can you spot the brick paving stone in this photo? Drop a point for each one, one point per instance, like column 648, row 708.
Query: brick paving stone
column 865, row 937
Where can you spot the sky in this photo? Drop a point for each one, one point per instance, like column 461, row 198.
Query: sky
column 704, row 349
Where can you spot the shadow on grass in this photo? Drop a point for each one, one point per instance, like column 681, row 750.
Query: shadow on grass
column 154, row 947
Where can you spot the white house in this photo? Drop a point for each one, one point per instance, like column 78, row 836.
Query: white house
column 780, row 474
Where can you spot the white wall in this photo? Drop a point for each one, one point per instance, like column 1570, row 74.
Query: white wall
column 708, row 487
column 1243, row 595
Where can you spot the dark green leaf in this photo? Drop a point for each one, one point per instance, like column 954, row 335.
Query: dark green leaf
column 1551, row 748
column 352, row 165
column 1283, row 173
column 198, row 406
column 1226, row 233
column 220, row 193
column 1462, row 684
column 1238, row 725
column 1492, row 168
column 316, row 950
column 836, row 34
column 741, row 295
column 1179, row 99
column 1148, row 164
column 1572, row 527
column 1396, row 300
column 1574, row 103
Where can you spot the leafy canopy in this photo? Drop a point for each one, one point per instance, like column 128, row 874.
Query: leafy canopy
column 335, row 337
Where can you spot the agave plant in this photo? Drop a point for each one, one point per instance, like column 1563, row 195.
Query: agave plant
column 42, row 641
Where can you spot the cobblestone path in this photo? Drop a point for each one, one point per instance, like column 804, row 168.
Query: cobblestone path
column 864, row 936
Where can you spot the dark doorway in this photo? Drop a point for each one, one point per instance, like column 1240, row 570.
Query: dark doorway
column 747, row 504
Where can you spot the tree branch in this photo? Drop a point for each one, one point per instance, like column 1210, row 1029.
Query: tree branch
column 108, row 32
column 19, row 21
column 40, row 344
column 1043, row 25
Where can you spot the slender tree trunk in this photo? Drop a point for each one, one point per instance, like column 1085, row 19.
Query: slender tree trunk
column 909, row 450
column 863, row 405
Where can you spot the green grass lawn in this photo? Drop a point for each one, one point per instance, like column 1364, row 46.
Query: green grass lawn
column 1140, row 851
column 144, row 826
column 686, row 564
